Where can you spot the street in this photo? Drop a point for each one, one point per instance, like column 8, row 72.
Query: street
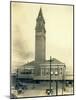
column 34, row 90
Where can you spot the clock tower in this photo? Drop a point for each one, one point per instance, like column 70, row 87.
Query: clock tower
column 40, row 38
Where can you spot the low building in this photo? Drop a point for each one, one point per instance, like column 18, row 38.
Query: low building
column 41, row 71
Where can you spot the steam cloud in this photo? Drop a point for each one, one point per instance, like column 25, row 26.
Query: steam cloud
column 21, row 50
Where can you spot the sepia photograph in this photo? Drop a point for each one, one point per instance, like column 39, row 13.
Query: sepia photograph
column 42, row 49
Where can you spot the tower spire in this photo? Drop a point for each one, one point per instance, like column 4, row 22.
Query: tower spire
column 40, row 12
column 40, row 15
column 40, row 22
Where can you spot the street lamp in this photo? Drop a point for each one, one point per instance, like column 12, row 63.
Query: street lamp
column 50, row 73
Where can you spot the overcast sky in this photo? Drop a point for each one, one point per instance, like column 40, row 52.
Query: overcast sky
column 59, row 32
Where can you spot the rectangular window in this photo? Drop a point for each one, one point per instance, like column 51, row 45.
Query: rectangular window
column 47, row 71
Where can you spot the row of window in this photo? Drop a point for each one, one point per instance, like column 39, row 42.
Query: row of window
column 53, row 72
column 44, row 71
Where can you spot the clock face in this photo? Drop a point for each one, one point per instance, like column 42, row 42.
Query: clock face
column 39, row 23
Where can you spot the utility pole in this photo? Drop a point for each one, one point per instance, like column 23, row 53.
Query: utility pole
column 50, row 74
column 56, row 87
column 63, row 82
column 17, row 74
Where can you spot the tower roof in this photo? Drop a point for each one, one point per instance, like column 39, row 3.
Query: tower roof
column 40, row 12
column 40, row 15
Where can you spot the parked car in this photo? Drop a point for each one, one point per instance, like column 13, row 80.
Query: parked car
column 19, row 91
column 23, row 85
column 13, row 90
column 20, row 85
column 13, row 96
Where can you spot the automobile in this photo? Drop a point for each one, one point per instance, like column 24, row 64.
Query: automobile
column 13, row 90
column 19, row 91
column 23, row 85
column 49, row 92
column 13, row 96
column 20, row 85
